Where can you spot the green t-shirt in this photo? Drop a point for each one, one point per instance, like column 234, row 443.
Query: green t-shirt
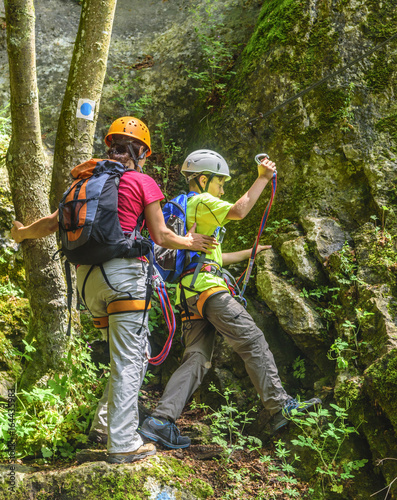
column 208, row 213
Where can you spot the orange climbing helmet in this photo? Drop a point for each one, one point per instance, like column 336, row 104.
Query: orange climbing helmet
column 131, row 127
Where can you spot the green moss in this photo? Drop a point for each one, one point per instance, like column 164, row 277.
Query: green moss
column 383, row 258
column 275, row 23
column 14, row 312
column 381, row 379
column 350, row 390
column 93, row 481
column 392, row 309
column 389, row 125
column 279, row 33
column 380, row 25
column 382, row 19
column 115, row 486
column 90, row 332
column 379, row 76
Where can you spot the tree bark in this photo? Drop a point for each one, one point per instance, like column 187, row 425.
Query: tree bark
column 27, row 170
column 75, row 136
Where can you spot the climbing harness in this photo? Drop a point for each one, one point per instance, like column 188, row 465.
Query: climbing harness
column 131, row 304
column 242, row 281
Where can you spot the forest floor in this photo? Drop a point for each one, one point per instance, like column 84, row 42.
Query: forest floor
column 243, row 475
column 262, row 474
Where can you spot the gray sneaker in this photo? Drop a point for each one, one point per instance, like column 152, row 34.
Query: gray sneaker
column 283, row 417
column 132, row 456
column 160, row 430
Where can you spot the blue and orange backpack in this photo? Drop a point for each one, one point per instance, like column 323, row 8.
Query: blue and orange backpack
column 89, row 226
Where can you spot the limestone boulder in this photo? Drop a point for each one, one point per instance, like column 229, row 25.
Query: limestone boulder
column 299, row 260
column 296, row 315
column 325, row 236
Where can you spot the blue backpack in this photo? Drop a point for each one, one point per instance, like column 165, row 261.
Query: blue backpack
column 172, row 263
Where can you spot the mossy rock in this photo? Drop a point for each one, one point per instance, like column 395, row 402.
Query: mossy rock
column 372, row 423
column 157, row 477
column 381, row 384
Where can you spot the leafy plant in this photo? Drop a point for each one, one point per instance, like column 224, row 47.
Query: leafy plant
column 8, row 289
column 227, row 425
column 382, row 228
column 217, row 54
column 327, row 300
column 383, row 254
column 337, row 352
column 284, row 467
column 352, row 329
column 277, row 226
column 23, row 355
column 345, row 114
column 317, row 293
column 324, row 432
column 299, row 368
column 348, row 266
column 342, row 350
column 53, row 417
column 124, row 89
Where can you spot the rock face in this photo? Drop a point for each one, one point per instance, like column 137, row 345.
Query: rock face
column 336, row 154
column 331, row 275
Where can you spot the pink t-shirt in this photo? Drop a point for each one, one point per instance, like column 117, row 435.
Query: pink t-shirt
column 136, row 191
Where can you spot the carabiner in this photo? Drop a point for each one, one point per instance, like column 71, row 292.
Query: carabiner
column 258, row 160
column 259, row 156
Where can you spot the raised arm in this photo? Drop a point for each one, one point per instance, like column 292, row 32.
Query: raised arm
column 243, row 206
column 235, row 257
column 38, row 229
column 164, row 237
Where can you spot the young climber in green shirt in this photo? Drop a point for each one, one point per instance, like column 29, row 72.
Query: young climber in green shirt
column 213, row 309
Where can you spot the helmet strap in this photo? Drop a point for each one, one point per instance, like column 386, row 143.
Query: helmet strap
column 136, row 158
column 196, row 180
column 143, row 154
column 208, row 182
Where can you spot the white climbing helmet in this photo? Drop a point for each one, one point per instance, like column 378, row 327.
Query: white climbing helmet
column 205, row 161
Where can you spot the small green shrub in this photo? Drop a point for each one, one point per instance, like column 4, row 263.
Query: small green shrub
column 324, row 432
column 228, row 423
column 53, row 417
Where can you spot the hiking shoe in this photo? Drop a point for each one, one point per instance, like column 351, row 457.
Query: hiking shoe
column 282, row 417
column 132, row 456
column 98, row 437
column 160, row 430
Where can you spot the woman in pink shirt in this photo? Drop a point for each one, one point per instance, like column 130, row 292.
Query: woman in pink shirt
column 116, row 419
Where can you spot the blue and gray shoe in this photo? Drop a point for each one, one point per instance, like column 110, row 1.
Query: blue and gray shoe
column 282, row 417
column 162, row 431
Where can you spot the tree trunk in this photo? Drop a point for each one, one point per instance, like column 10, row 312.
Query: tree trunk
column 75, row 136
column 27, row 170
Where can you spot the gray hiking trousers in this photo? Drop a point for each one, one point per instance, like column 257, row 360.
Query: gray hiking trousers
column 227, row 316
column 117, row 411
